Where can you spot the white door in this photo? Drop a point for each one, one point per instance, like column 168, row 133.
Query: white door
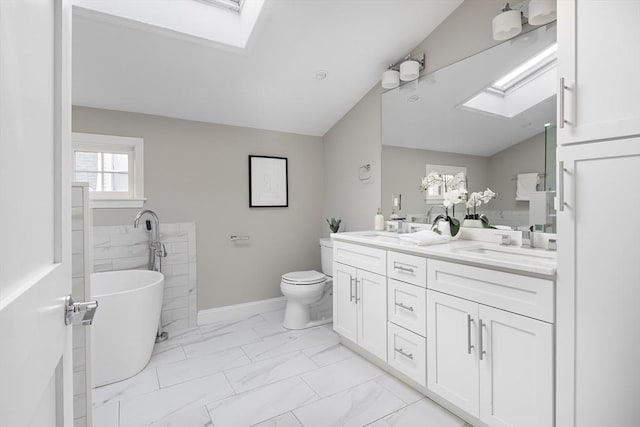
column 371, row 300
column 598, row 286
column 516, row 370
column 452, row 350
column 345, row 320
column 599, row 61
column 35, row 273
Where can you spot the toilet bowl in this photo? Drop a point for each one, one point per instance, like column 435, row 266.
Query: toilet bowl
column 308, row 293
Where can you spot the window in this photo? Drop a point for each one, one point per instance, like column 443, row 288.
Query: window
column 113, row 167
column 435, row 194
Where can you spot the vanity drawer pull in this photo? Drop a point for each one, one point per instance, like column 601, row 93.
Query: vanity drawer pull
column 401, row 305
column 408, row 356
column 402, row 269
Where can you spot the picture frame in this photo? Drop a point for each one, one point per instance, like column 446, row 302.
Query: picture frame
column 268, row 182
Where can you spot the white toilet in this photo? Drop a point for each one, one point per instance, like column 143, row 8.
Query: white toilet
column 308, row 293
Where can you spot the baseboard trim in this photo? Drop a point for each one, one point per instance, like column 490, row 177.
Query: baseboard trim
column 237, row 311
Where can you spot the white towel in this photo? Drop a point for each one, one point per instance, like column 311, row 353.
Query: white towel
column 423, row 238
column 526, row 184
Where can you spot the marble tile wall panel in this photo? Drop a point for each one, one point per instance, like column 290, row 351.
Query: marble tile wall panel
column 124, row 247
column 78, row 294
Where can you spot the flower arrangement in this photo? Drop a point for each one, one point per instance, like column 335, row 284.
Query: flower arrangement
column 476, row 199
column 453, row 193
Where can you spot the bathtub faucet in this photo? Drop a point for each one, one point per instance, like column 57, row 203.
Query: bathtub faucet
column 158, row 250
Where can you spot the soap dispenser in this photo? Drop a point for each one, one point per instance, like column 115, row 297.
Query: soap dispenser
column 378, row 223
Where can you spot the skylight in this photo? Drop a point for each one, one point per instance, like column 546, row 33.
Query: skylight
column 233, row 5
column 520, row 89
column 196, row 18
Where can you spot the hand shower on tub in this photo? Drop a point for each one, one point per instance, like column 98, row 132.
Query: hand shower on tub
column 157, row 251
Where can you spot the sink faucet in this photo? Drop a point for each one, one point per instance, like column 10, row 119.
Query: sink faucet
column 158, row 250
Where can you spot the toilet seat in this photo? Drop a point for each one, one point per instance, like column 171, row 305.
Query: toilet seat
column 310, row 277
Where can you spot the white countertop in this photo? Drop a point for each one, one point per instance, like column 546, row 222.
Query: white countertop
column 483, row 254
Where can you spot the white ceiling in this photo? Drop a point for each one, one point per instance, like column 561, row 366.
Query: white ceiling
column 123, row 65
column 438, row 121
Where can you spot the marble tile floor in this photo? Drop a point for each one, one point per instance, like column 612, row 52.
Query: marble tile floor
column 253, row 372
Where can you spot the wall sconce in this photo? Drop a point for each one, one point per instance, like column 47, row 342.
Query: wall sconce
column 407, row 69
column 509, row 22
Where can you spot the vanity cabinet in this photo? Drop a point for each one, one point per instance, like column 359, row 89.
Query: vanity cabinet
column 479, row 338
column 598, row 63
column 407, row 313
column 360, row 297
column 496, row 365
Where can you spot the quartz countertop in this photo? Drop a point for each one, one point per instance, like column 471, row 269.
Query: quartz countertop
column 511, row 258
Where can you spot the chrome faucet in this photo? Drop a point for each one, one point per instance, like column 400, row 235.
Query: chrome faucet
column 158, row 250
column 527, row 238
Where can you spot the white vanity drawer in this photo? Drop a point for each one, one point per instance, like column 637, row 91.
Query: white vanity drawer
column 407, row 306
column 362, row 257
column 529, row 296
column 407, row 353
column 407, row 268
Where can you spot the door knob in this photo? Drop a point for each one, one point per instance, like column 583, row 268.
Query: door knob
column 73, row 311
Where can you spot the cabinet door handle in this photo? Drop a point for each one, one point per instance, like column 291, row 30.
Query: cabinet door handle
column 482, row 351
column 357, row 297
column 561, row 89
column 407, row 355
column 469, row 345
column 561, row 171
column 350, row 289
column 401, row 305
column 402, row 269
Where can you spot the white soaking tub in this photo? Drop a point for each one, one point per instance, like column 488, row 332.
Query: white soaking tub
column 125, row 324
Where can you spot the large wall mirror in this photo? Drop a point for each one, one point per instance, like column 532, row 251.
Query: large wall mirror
column 492, row 114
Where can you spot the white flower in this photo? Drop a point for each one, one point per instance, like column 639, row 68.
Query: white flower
column 474, row 199
column 487, row 195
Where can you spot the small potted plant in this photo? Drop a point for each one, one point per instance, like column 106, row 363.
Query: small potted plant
column 334, row 224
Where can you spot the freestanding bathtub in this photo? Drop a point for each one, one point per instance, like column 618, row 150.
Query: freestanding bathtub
column 124, row 327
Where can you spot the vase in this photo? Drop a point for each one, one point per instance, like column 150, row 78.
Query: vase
column 444, row 227
column 473, row 223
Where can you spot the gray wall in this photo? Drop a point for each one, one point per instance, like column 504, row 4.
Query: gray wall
column 199, row 172
column 404, row 168
column 526, row 156
column 352, row 142
column 355, row 139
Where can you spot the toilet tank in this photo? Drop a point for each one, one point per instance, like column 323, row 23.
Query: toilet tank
column 326, row 255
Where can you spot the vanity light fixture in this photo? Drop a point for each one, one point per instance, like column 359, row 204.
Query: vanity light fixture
column 407, row 69
column 509, row 22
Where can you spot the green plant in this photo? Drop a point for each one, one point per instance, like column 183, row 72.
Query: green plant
column 334, row 224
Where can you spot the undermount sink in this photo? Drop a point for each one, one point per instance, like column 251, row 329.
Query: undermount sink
column 520, row 255
column 383, row 236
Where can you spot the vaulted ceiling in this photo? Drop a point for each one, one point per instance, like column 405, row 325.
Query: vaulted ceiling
column 123, row 64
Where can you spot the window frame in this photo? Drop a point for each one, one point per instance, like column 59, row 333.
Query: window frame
column 443, row 170
column 134, row 147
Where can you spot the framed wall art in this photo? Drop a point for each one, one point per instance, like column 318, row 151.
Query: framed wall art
column 268, row 182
